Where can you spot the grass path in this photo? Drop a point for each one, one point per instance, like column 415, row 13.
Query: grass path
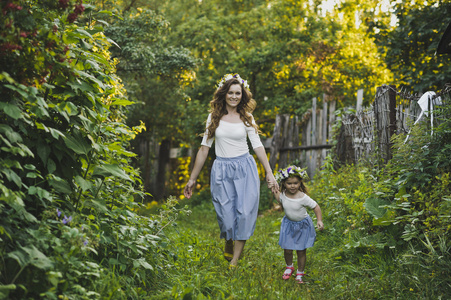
column 202, row 272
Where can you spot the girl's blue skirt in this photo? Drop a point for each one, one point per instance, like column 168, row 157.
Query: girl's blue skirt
column 235, row 189
column 297, row 235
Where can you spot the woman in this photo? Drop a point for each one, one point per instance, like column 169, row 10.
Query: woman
column 235, row 184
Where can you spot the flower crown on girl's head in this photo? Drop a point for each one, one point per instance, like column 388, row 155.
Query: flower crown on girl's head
column 291, row 171
column 227, row 77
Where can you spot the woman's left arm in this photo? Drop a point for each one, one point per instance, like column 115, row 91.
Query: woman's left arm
column 270, row 180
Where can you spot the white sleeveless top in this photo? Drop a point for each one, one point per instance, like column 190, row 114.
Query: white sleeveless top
column 230, row 138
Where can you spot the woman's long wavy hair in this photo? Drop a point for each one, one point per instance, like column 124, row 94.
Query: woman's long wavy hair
column 218, row 106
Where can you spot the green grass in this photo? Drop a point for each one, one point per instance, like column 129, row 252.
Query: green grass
column 335, row 271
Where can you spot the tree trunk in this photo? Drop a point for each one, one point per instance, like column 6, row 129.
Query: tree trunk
column 163, row 161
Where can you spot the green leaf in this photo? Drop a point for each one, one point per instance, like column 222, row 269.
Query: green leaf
column 78, row 144
column 32, row 190
column 43, row 151
column 81, row 33
column 71, row 109
column 374, row 207
column 51, row 166
column 12, row 176
column 37, row 258
column 61, row 186
column 122, row 102
column 85, row 45
column 31, row 255
column 110, row 170
column 12, row 110
column 86, row 75
column 6, row 76
column 143, row 263
column 22, row 92
column 84, row 184
column 92, row 64
column 81, row 85
column 10, row 134
column 56, row 133
column 5, row 289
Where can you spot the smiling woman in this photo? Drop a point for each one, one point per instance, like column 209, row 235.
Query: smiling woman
column 233, row 96
column 235, row 184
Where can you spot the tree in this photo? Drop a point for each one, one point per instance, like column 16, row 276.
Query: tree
column 411, row 45
column 153, row 73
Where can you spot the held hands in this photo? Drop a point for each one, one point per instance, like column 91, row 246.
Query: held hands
column 272, row 183
column 189, row 187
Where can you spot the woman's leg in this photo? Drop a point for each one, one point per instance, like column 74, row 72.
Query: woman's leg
column 239, row 246
column 302, row 258
column 228, row 250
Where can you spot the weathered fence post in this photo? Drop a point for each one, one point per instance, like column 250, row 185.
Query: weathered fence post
column 275, row 143
column 385, row 114
column 331, row 118
column 358, row 106
column 312, row 163
column 285, row 141
column 324, row 128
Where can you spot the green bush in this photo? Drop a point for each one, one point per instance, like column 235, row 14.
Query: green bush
column 69, row 200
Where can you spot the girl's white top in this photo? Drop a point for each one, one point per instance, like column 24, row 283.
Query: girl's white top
column 295, row 209
column 230, row 138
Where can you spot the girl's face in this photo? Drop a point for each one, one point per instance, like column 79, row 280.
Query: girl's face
column 233, row 96
column 292, row 184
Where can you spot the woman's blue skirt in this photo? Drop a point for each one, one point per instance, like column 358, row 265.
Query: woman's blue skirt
column 235, row 189
column 297, row 235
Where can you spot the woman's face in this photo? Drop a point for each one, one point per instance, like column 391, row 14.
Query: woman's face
column 292, row 184
column 233, row 96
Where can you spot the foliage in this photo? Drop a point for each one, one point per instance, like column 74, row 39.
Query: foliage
column 287, row 51
column 411, row 45
column 154, row 73
column 334, row 270
column 69, row 226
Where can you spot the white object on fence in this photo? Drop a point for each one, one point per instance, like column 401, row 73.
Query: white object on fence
column 359, row 100
column 426, row 102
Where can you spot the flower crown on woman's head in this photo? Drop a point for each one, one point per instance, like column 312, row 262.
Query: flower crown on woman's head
column 227, row 77
column 291, row 171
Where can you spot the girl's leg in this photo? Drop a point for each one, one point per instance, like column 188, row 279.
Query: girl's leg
column 288, row 254
column 239, row 246
column 302, row 258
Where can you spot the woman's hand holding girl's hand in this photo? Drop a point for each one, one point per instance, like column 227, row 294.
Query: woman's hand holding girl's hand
column 189, row 187
column 319, row 225
column 272, row 183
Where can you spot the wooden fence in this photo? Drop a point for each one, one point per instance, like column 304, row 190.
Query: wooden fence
column 366, row 132
column 315, row 130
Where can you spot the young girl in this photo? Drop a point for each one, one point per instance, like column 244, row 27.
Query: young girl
column 297, row 231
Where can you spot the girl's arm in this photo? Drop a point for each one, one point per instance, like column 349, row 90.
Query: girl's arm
column 277, row 196
column 270, row 180
column 319, row 217
column 201, row 156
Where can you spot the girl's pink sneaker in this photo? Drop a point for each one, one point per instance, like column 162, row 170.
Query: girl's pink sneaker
column 299, row 276
column 287, row 274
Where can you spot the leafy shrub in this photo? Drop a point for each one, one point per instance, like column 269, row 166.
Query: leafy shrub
column 69, row 201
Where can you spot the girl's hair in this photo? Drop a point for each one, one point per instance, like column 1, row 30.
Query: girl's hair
column 218, row 106
column 302, row 187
